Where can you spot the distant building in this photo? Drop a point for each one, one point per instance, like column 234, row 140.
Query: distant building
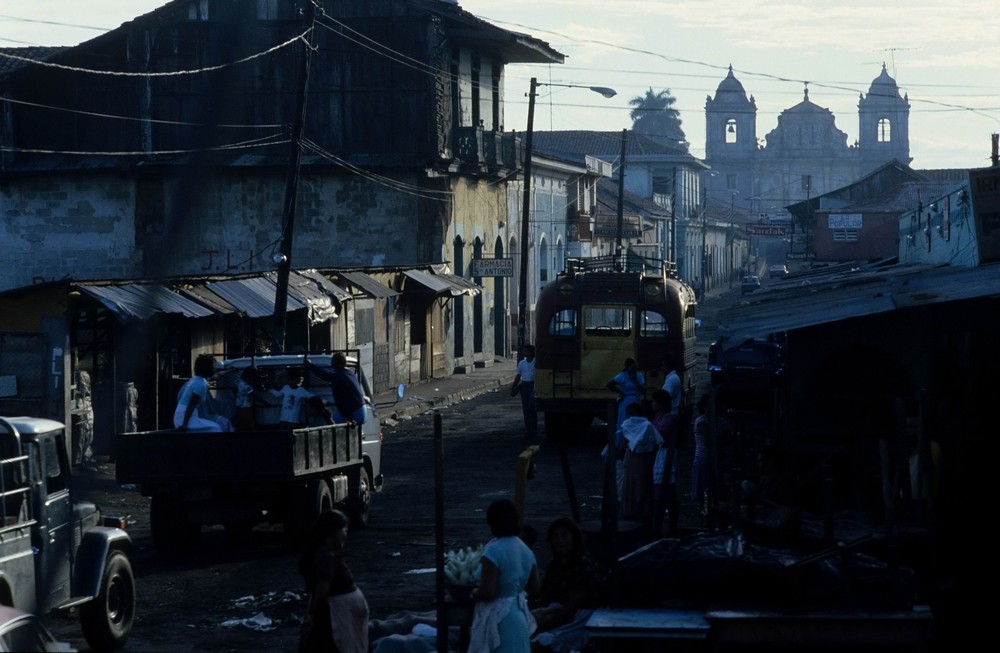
column 806, row 154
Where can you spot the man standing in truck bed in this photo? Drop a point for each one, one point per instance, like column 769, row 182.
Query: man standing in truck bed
column 346, row 390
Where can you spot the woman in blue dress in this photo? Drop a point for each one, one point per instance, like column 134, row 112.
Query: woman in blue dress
column 502, row 622
column 630, row 385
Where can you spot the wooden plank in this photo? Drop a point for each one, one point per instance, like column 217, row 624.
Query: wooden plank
column 648, row 624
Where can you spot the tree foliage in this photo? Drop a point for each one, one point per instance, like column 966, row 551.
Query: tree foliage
column 654, row 114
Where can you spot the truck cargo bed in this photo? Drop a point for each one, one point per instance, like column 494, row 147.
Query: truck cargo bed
column 170, row 456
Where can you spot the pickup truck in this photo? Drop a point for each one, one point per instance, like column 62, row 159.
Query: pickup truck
column 241, row 479
column 57, row 553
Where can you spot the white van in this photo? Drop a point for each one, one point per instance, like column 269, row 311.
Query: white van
column 273, row 375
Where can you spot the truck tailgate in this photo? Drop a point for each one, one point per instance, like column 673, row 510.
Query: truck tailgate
column 170, row 456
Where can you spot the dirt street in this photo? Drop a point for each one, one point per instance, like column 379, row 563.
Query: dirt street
column 208, row 600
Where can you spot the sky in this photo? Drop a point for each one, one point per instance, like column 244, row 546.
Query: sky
column 945, row 56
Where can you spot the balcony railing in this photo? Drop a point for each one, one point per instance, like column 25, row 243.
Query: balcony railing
column 491, row 149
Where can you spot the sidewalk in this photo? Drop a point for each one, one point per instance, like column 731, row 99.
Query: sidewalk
column 418, row 398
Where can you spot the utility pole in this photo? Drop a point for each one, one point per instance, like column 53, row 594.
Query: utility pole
column 283, row 260
column 619, row 250
column 522, row 286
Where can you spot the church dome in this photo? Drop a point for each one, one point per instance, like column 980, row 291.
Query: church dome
column 730, row 86
column 883, row 85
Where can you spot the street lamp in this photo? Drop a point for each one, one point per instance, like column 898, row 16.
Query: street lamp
column 522, row 290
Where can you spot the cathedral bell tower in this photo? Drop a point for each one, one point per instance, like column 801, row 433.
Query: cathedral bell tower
column 730, row 137
column 884, row 124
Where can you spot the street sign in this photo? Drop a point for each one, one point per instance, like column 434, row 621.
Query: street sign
column 765, row 230
column 493, row 267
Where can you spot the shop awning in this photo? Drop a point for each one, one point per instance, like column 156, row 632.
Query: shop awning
column 320, row 296
column 253, row 296
column 144, row 300
column 369, row 285
column 442, row 283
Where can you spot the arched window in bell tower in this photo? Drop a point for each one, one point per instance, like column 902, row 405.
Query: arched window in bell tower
column 884, row 133
column 731, row 130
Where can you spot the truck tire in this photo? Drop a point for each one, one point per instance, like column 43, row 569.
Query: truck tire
column 307, row 503
column 359, row 505
column 107, row 619
column 169, row 527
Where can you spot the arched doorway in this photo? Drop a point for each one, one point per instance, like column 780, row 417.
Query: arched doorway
column 477, row 302
column 499, row 306
column 459, row 302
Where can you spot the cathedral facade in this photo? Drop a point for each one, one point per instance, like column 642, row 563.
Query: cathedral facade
column 806, row 154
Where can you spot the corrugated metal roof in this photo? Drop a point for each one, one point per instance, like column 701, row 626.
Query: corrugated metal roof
column 200, row 293
column 860, row 293
column 443, row 283
column 320, row 295
column 329, row 287
column 369, row 285
column 143, row 301
column 253, row 296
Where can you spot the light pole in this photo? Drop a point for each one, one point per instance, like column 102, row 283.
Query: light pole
column 522, row 287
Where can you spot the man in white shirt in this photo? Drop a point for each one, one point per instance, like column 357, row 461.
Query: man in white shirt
column 672, row 384
column 293, row 398
column 526, row 378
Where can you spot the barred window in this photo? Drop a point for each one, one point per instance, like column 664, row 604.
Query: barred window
column 845, row 235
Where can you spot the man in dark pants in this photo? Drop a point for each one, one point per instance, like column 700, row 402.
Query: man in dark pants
column 526, row 378
column 346, row 390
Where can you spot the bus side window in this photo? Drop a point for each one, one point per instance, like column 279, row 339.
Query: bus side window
column 563, row 323
column 652, row 324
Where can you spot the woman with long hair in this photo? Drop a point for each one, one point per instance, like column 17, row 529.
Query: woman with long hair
column 572, row 586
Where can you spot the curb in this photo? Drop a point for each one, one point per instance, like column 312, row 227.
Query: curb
column 413, row 408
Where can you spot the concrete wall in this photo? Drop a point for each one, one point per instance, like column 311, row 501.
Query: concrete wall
column 109, row 226
column 77, row 226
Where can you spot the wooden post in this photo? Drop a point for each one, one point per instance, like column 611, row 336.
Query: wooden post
column 520, row 482
column 442, row 618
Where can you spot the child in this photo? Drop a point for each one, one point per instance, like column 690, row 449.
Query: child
column 246, row 386
column 293, row 397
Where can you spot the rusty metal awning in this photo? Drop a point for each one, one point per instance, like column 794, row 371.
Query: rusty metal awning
column 253, row 296
column 144, row 300
column 320, row 296
column 369, row 285
column 442, row 283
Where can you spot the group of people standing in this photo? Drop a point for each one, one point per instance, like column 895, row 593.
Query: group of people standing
column 646, row 448
column 298, row 406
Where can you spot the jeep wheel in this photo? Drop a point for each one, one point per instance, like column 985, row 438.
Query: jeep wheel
column 107, row 619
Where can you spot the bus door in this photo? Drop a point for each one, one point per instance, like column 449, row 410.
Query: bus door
column 607, row 338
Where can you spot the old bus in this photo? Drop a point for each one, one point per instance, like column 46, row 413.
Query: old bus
column 593, row 317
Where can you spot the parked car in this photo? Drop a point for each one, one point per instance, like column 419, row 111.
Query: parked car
column 22, row 631
column 750, row 283
column 777, row 271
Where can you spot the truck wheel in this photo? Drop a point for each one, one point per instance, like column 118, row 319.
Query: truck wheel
column 308, row 501
column 107, row 619
column 360, row 504
column 170, row 530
